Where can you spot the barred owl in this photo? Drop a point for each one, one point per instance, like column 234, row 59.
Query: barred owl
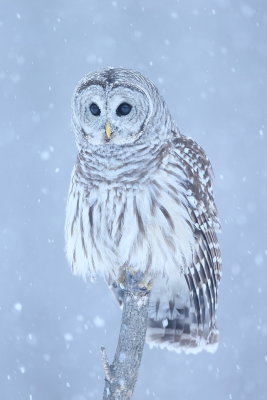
column 141, row 196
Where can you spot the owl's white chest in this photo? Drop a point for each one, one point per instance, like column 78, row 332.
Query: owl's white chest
column 144, row 227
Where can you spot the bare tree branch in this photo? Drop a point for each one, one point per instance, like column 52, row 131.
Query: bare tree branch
column 106, row 366
column 121, row 375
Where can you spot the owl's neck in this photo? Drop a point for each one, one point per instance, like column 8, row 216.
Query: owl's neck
column 120, row 165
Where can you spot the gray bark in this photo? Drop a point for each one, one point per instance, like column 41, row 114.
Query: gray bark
column 121, row 375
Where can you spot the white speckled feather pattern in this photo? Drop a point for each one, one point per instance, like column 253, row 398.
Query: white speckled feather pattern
column 144, row 199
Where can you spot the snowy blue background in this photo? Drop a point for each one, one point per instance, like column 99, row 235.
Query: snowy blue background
column 209, row 60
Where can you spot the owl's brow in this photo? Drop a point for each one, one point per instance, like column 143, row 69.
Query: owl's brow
column 105, row 84
column 91, row 82
column 128, row 86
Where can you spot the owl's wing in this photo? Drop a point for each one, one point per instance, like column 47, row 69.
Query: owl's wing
column 199, row 201
column 192, row 327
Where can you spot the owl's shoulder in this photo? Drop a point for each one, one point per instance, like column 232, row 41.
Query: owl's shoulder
column 197, row 174
column 192, row 154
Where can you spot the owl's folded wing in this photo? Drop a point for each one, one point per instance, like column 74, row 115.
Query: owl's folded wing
column 192, row 327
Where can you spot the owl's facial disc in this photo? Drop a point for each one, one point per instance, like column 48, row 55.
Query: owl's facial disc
column 112, row 114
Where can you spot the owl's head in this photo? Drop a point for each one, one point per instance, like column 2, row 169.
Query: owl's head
column 115, row 106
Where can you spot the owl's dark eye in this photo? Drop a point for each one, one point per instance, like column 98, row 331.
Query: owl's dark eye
column 95, row 110
column 123, row 109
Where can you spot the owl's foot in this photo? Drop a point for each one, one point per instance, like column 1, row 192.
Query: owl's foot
column 130, row 277
column 145, row 284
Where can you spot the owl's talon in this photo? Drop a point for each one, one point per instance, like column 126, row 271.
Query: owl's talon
column 145, row 285
column 121, row 279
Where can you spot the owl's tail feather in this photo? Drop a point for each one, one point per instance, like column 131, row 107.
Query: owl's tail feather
column 182, row 333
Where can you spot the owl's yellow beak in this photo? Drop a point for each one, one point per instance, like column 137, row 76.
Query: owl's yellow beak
column 108, row 130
